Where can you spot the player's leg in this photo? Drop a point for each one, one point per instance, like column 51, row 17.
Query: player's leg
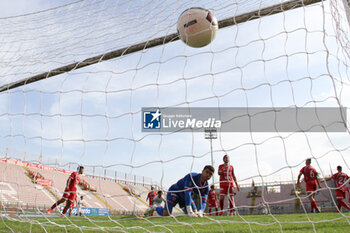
column 314, row 186
column 171, row 201
column 71, row 208
column 310, row 190
column 223, row 193
column 312, row 202
column 232, row 204
column 69, row 202
column 78, row 210
column 221, row 203
column 341, row 195
column 339, row 204
column 343, row 203
column 317, row 210
column 231, row 199
column 56, row 204
column 166, row 210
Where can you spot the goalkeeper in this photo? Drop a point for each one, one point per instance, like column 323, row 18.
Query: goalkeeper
column 181, row 193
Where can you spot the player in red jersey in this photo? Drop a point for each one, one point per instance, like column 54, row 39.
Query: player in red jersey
column 311, row 180
column 213, row 200
column 150, row 197
column 340, row 179
column 70, row 191
column 227, row 188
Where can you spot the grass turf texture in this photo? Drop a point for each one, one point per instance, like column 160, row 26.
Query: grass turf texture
column 324, row 222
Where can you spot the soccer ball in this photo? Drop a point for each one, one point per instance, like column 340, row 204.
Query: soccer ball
column 197, row 27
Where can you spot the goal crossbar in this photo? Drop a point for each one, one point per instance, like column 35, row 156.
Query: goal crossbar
column 278, row 8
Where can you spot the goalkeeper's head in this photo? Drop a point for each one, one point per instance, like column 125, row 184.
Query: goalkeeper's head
column 207, row 172
column 80, row 169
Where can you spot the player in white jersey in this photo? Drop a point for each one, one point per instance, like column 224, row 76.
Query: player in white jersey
column 79, row 205
column 158, row 200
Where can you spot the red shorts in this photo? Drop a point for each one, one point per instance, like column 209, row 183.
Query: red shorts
column 69, row 195
column 340, row 193
column 227, row 188
column 212, row 205
column 311, row 186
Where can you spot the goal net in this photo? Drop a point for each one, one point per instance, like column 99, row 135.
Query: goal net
column 78, row 83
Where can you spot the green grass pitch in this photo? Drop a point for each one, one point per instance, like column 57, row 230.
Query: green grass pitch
column 323, row 222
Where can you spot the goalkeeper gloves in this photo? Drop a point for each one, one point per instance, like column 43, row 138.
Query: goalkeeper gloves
column 200, row 213
column 190, row 212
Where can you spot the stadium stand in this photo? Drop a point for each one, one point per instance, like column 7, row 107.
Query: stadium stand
column 18, row 188
column 113, row 194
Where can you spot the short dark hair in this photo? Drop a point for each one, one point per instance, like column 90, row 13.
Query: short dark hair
column 339, row 167
column 210, row 168
column 160, row 191
column 80, row 167
column 212, row 186
column 308, row 160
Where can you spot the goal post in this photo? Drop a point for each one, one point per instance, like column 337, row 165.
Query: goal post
column 275, row 9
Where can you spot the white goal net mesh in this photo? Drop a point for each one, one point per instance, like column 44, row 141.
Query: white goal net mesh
column 73, row 86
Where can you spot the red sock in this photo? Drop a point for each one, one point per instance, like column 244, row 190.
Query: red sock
column 342, row 203
column 312, row 206
column 217, row 211
column 64, row 211
column 315, row 205
column 222, row 204
column 231, row 204
column 339, row 206
column 53, row 206
column 210, row 211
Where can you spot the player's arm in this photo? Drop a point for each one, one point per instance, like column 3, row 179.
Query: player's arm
column 235, row 180
column 204, row 204
column 318, row 182
column 347, row 181
column 327, row 178
column 220, row 172
column 299, row 176
column 189, row 203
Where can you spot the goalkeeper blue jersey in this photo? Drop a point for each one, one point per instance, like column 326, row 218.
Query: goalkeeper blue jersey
column 189, row 185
